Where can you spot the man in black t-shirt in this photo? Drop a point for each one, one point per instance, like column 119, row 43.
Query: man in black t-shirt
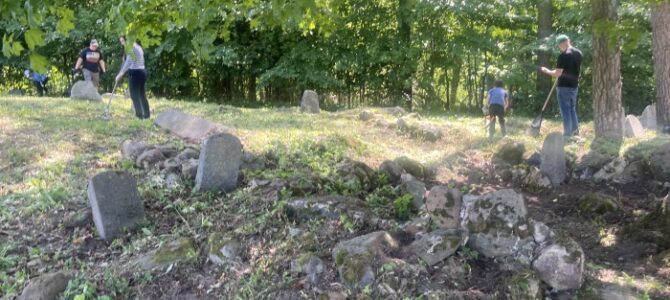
column 93, row 63
column 567, row 71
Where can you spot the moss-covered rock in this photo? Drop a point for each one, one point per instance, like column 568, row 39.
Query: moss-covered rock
column 436, row 246
column 309, row 264
column 411, row 166
column 598, row 203
column 358, row 258
column 521, row 286
column 444, row 206
column 654, row 227
column 659, row 161
column 561, row 264
column 356, row 173
column 182, row 250
column 511, row 152
column 223, row 249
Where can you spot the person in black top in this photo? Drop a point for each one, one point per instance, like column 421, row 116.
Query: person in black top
column 567, row 70
column 92, row 61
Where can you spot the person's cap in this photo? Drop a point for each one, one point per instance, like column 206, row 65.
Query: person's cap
column 562, row 38
column 94, row 42
column 26, row 72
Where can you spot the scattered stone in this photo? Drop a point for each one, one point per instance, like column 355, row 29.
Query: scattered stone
column 392, row 170
column 223, row 250
column 80, row 218
column 187, row 154
column 168, row 152
column 329, row 207
column 115, row 203
column 46, row 287
column 497, row 223
column 561, row 265
column 219, row 163
column 536, row 180
column 357, row 174
column 189, row 168
column 310, row 265
column 381, row 122
column 171, row 165
column 396, row 111
column 444, row 206
column 633, row 127
column 589, row 164
column 553, row 159
column 662, row 260
column 132, row 149
column 173, row 180
column 648, row 118
column 611, row 170
column 659, row 162
column 149, row 158
column 410, row 185
column 436, row 246
column 430, row 132
column 357, row 258
column 85, row 90
column 310, row 102
column 637, row 171
column 523, row 285
column 617, row 292
column 188, row 127
column 541, row 232
column 534, row 159
column 366, row 116
column 411, row 166
column 182, row 250
column 598, row 203
column 456, row 271
column 511, row 153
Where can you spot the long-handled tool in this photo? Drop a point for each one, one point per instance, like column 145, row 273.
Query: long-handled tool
column 534, row 129
column 106, row 115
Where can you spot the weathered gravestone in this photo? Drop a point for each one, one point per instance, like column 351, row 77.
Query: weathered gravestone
column 219, row 163
column 85, row 90
column 553, row 159
column 189, row 127
column 633, row 127
column 115, row 203
column 310, row 102
column 648, row 118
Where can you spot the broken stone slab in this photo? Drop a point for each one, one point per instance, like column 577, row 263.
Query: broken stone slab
column 132, row 149
column 182, row 250
column 436, row 246
column 611, row 170
column 310, row 102
column 444, row 206
column 329, row 207
column 149, row 158
column 85, row 90
column 46, row 287
column 115, row 203
column 358, row 258
column 410, row 185
column 411, row 166
column 648, row 118
column 553, row 159
column 191, row 128
column 219, row 163
column 633, row 127
column 561, row 265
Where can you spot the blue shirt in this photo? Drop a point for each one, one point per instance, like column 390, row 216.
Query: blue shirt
column 38, row 77
column 497, row 96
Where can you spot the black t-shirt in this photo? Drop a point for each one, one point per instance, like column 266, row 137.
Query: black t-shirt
column 91, row 59
column 570, row 61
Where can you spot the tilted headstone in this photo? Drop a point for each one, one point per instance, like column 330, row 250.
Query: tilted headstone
column 85, row 90
column 189, row 127
column 310, row 102
column 648, row 118
column 553, row 159
column 219, row 163
column 115, row 203
column 633, row 127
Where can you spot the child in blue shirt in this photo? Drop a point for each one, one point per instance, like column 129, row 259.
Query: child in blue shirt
column 39, row 80
column 498, row 102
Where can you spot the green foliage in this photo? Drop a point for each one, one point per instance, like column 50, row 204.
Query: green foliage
column 403, row 206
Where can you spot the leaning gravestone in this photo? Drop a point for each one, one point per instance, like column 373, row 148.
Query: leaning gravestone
column 553, row 159
column 85, row 90
column 189, row 127
column 633, row 127
column 115, row 203
column 219, row 163
column 310, row 102
column 648, row 118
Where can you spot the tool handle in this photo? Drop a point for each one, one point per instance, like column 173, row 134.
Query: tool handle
column 553, row 87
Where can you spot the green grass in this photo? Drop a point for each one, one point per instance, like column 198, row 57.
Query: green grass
column 51, row 146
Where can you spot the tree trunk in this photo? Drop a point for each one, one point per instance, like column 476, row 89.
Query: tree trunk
column 544, row 30
column 607, row 109
column 404, row 31
column 455, row 81
column 660, row 15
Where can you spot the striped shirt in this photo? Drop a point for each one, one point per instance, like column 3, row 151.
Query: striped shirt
column 137, row 63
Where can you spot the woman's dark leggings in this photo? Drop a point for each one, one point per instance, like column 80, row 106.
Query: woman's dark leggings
column 137, row 78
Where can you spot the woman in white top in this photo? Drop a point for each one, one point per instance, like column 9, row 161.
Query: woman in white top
column 137, row 77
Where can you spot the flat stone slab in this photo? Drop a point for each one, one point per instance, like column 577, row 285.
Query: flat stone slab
column 191, row 128
column 553, row 159
column 115, row 202
column 219, row 163
column 632, row 127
